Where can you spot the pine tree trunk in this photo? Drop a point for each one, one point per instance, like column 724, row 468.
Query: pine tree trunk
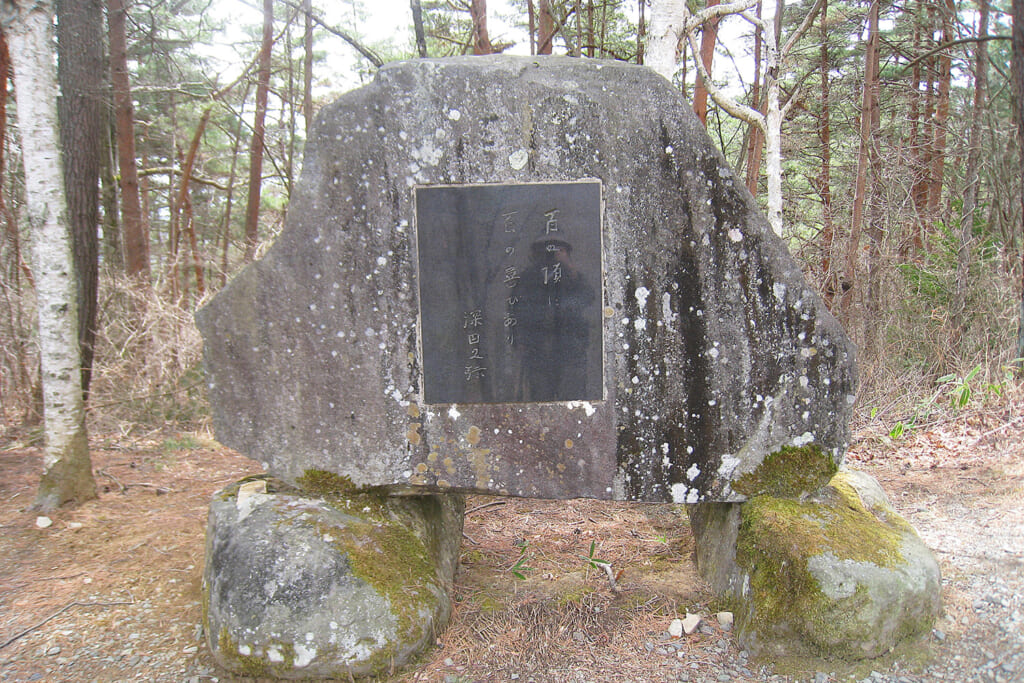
column 1018, row 81
column 307, row 62
column 136, row 241
column 229, row 199
column 831, row 284
column 755, row 139
column 938, row 151
column 67, row 472
column 546, row 28
column 184, row 202
column 252, row 206
column 863, row 158
column 641, row 29
column 12, row 268
column 531, row 15
column 113, row 251
column 80, row 109
column 708, row 38
column 914, row 148
column 967, row 215
column 417, row 26
column 876, row 215
column 481, row 40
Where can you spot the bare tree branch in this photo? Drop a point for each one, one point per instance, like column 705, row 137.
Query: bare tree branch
column 947, row 45
column 717, row 11
column 797, row 34
column 370, row 55
column 731, row 106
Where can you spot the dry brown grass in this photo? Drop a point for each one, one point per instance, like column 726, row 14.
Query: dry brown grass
column 148, row 354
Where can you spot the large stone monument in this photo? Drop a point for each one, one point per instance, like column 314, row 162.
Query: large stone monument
column 531, row 277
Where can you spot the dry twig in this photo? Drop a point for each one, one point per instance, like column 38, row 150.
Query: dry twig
column 486, row 505
column 61, row 611
column 996, row 430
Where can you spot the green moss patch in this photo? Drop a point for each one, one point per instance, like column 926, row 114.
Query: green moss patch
column 788, row 473
column 778, row 536
column 383, row 550
column 333, row 486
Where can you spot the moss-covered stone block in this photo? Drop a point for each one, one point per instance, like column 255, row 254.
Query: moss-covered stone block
column 788, row 472
column 347, row 586
column 840, row 575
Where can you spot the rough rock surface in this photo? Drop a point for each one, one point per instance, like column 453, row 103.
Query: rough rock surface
column 716, row 352
column 299, row 587
column 839, row 574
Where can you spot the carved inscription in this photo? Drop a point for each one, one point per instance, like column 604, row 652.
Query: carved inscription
column 510, row 292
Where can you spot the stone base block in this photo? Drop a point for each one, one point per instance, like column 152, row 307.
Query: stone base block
column 305, row 587
column 838, row 575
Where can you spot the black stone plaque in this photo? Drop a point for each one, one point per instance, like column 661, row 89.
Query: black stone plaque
column 510, row 292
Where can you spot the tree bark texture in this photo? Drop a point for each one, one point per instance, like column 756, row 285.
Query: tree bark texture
column 136, row 239
column 80, row 71
column 641, row 30
column 970, row 204
column 67, row 472
column 831, row 285
column 546, row 28
column 914, row 147
column 307, row 63
column 13, row 266
column 667, row 19
column 481, row 40
column 708, row 39
column 860, row 191
column 417, row 26
column 939, row 130
column 113, row 251
column 756, row 137
column 185, row 200
column 252, row 206
column 1018, row 82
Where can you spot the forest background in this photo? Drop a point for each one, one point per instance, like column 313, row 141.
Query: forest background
column 881, row 138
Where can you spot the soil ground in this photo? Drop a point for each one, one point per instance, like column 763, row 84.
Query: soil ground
column 110, row 591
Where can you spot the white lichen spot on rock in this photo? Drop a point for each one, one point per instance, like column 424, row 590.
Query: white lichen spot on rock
column 693, row 472
column 454, row 114
column 641, row 295
column 454, row 413
column 803, row 439
column 679, row 492
column 428, row 154
column 517, row 159
column 303, row 655
column 728, row 466
column 588, row 408
column 666, row 308
column 735, row 235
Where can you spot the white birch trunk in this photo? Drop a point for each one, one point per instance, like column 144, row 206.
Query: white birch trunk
column 773, row 131
column 67, row 473
column 668, row 17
